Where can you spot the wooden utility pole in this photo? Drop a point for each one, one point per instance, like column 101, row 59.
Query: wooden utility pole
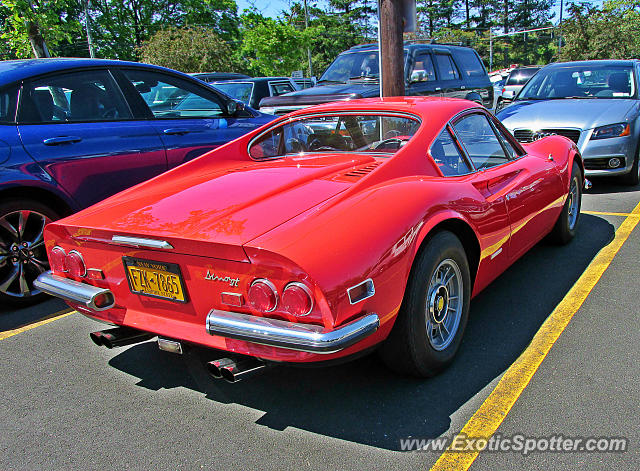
column 391, row 47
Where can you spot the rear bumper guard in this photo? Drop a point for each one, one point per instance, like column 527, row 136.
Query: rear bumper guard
column 97, row 299
column 290, row 335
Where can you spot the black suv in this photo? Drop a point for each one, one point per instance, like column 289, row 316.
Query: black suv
column 430, row 69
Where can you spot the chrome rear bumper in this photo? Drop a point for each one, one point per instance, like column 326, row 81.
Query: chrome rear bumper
column 81, row 293
column 291, row 335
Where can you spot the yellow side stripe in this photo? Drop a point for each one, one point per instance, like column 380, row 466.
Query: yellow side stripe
column 486, row 420
column 53, row 317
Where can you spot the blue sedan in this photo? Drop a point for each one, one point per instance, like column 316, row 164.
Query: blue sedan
column 74, row 131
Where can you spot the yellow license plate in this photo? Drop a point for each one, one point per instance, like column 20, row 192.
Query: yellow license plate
column 155, row 279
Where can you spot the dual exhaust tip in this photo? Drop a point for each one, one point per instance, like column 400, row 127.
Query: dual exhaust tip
column 231, row 370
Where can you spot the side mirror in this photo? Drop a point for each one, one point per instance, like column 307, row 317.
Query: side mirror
column 233, row 107
column 509, row 95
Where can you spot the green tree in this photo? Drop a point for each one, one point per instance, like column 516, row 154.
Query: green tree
column 272, row 46
column 612, row 32
column 191, row 49
column 121, row 26
column 32, row 27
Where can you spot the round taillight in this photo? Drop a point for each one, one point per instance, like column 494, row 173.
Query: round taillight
column 75, row 264
column 297, row 299
column 57, row 260
column 263, row 295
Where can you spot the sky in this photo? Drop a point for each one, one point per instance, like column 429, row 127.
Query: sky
column 274, row 7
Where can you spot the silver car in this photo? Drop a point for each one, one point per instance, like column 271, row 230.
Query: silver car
column 593, row 103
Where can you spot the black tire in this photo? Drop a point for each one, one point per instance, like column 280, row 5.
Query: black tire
column 565, row 228
column 633, row 177
column 22, row 253
column 409, row 349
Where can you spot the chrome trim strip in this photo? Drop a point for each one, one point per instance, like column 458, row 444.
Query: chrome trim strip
column 496, row 253
column 290, row 335
column 371, row 290
column 72, row 290
column 141, row 242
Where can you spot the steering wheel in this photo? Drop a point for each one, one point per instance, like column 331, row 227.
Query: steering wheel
column 315, row 144
column 295, row 145
column 390, row 140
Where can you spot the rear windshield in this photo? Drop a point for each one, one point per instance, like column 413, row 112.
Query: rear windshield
column 349, row 133
column 521, row 76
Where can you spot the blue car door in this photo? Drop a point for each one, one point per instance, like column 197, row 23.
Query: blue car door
column 79, row 127
column 190, row 118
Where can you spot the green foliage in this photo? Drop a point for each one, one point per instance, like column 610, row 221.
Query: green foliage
column 612, row 32
column 57, row 21
column 121, row 26
column 194, row 49
column 272, row 46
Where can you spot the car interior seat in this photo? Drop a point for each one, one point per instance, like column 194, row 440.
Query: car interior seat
column 44, row 104
column 85, row 102
column 619, row 82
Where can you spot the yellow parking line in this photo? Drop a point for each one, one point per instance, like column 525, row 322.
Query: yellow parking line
column 53, row 317
column 486, row 420
column 605, row 213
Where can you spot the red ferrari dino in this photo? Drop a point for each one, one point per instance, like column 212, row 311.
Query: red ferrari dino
column 324, row 234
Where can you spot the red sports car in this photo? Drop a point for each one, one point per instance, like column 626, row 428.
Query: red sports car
column 330, row 232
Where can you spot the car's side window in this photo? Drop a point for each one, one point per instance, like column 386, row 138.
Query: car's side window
column 447, row 156
column 172, row 97
column 8, row 105
column 423, row 70
column 477, row 136
column 447, row 69
column 279, row 88
column 512, row 152
column 73, row 97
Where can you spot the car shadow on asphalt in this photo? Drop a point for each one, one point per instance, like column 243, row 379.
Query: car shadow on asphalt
column 606, row 185
column 364, row 402
column 11, row 318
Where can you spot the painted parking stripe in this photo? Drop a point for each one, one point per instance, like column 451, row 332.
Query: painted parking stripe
column 486, row 420
column 605, row 213
column 53, row 317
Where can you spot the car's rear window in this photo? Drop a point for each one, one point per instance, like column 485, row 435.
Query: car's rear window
column 469, row 63
column 521, row 76
column 340, row 133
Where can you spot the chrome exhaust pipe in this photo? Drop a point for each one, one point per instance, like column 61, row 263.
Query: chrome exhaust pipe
column 213, row 367
column 120, row 337
column 242, row 369
column 233, row 371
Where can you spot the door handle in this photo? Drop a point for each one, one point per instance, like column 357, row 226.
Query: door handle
column 56, row 141
column 176, row 131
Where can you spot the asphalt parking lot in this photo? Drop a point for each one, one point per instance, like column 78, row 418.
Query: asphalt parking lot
column 67, row 404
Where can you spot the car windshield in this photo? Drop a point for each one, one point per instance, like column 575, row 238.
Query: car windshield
column 349, row 65
column 588, row 81
column 238, row 90
column 521, row 76
column 354, row 132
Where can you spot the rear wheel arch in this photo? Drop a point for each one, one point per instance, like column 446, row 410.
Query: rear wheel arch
column 463, row 232
column 45, row 197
